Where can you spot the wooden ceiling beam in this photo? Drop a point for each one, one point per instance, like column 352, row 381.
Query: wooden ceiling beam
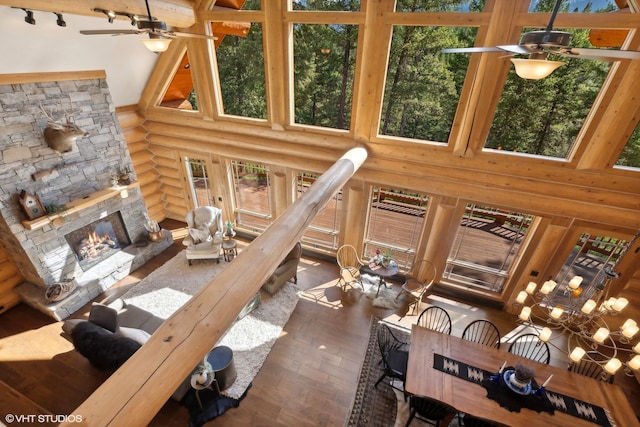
column 176, row 13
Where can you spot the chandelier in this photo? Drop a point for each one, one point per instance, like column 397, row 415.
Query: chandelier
column 578, row 314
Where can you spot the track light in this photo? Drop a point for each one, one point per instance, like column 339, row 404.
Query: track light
column 134, row 18
column 111, row 15
column 29, row 18
column 60, row 20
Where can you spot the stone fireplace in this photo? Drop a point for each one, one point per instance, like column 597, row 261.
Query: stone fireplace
column 100, row 237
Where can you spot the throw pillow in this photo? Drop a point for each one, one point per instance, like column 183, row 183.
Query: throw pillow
column 105, row 350
column 138, row 335
column 199, row 235
column 104, row 316
column 69, row 324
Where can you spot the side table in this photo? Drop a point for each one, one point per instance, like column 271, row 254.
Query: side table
column 229, row 249
column 221, row 360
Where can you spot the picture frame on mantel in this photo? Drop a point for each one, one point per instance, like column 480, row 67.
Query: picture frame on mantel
column 31, row 205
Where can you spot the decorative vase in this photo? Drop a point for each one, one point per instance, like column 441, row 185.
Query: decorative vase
column 155, row 235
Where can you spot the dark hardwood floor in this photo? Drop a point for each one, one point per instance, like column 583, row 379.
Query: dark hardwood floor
column 308, row 379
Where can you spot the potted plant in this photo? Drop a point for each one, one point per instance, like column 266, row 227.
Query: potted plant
column 228, row 225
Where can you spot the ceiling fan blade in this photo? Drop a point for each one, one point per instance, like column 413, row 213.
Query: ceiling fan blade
column 192, row 35
column 599, row 54
column 519, row 49
column 112, row 32
column 470, row 49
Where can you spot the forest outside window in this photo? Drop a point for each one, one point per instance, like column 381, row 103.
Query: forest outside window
column 630, row 156
column 240, row 67
column 423, row 86
column 324, row 67
column 550, row 112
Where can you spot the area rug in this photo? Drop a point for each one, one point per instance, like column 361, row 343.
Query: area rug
column 372, row 406
column 386, row 298
column 381, row 406
column 251, row 338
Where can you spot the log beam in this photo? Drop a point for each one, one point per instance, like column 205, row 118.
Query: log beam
column 137, row 391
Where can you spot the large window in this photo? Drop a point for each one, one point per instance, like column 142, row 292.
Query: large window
column 323, row 231
column 324, row 64
column 486, row 245
column 423, row 86
column 198, row 180
column 588, row 259
column 252, row 195
column 544, row 117
column 396, row 219
column 240, row 65
column 630, row 155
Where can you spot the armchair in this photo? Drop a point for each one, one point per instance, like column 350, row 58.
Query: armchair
column 204, row 240
column 288, row 269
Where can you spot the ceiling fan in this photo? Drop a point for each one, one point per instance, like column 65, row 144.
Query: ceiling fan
column 539, row 44
column 159, row 35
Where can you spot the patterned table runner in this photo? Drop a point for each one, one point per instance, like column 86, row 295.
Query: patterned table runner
column 560, row 402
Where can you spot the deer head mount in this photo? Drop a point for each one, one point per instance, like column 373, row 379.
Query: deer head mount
column 60, row 136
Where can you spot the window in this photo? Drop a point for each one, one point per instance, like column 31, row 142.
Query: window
column 325, row 227
column 395, row 223
column 544, row 117
column 423, row 86
column 198, row 178
column 324, row 64
column 588, row 259
column 240, row 66
column 630, row 155
column 180, row 93
column 252, row 195
column 486, row 245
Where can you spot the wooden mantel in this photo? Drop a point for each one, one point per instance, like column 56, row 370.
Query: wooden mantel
column 80, row 204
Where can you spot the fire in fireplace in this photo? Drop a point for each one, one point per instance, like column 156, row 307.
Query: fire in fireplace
column 99, row 240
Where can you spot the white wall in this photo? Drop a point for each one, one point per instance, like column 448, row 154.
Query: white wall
column 45, row 47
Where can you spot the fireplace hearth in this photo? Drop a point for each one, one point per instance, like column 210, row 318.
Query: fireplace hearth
column 99, row 240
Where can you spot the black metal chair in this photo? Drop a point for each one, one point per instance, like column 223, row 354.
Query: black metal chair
column 394, row 357
column 531, row 347
column 482, row 332
column 435, row 318
column 429, row 410
column 471, row 421
column 589, row 367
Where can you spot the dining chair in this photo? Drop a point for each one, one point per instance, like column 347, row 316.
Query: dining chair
column 483, row 332
column 395, row 357
column 589, row 367
column 531, row 347
column 428, row 410
column 471, row 421
column 418, row 282
column 349, row 262
column 435, row 318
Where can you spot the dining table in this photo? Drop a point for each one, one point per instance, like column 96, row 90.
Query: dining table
column 429, row 348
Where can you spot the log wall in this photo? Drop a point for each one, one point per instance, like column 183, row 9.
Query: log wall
column 10, row 277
